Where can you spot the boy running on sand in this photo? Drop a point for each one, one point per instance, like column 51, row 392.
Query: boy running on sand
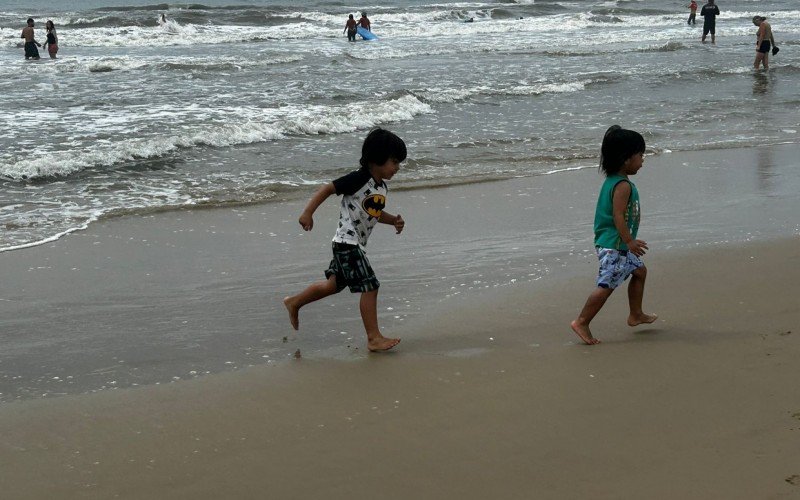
column 363, row 199
column 616, row 224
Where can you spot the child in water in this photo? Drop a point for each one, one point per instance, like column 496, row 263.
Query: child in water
column 363, row 199
column 616, row 224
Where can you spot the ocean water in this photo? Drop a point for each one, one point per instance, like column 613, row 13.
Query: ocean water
column 238, row 102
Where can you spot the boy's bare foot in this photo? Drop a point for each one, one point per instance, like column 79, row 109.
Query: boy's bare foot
column 294, row 317
column 381, row 344
column 584, row 333
column 641, row 318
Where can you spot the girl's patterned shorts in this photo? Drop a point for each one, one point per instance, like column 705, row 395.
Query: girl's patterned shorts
column 615, row 266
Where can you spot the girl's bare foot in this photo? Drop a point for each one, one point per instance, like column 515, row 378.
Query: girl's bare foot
column 584, row 333
column 294, row 317
column 379, row 344
column 638, row 319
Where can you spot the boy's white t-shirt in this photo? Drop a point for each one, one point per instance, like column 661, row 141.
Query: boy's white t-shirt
column 363, row 201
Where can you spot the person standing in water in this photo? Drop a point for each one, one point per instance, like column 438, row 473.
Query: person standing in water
column 692, row 12
column 31, row 50
column 709, row 12
column 764, row 41
column 52, row 39
column 364, row 22
column 350, row 28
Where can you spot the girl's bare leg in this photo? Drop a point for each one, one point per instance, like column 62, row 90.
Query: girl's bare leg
column 635, row 296
column 593, row 305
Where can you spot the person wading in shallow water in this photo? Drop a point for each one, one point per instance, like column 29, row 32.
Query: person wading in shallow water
column 31, row 50
column 364, row 22
column 350, row 27
column 764, row 41
column 52, row 39
column 709, row 12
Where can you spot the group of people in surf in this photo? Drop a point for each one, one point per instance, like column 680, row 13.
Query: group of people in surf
column 351, row 26
column 32, row 46
column 765, row 42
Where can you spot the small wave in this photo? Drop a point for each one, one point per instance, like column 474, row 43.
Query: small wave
column 601, row 18
column 667, row 47
column 160, row 6
column 274, row 125
column 454, row 95
column 173, row 63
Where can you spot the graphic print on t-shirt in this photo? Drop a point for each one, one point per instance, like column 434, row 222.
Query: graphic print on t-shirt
column 363, row 201
column 374, row 205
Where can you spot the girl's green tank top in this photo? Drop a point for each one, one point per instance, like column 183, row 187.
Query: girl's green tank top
column 605, row 233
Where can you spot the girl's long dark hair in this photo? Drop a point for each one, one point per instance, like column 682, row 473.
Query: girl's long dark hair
column 619, row 144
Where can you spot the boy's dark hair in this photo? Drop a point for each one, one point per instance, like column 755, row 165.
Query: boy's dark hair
column 619, row 144
column 379, row 146
column 30, row 20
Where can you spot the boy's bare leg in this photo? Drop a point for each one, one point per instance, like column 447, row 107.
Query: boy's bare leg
column 313, row 292
column 369, row 314
column 635, row 295
column 593, row 305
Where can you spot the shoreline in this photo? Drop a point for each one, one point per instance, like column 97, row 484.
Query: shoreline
column 173, row 296
column 409, row 186
column 700, row 404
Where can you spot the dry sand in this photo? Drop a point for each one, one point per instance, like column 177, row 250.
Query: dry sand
column 702, row 404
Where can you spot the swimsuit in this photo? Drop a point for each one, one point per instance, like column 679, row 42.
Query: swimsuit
column 31, row 50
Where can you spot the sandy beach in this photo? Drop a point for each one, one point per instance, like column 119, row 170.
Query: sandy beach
column 488, row 395
column 702, row 404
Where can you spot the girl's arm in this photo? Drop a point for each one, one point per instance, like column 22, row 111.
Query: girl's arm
column 322, row 194
column 393, row 220
column 622, row 193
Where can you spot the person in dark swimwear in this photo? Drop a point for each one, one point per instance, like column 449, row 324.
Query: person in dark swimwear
column 350, row 27
column 764, row 41
column 364, row 22
column 52, row 39
column 31, row 51
column 709, row 12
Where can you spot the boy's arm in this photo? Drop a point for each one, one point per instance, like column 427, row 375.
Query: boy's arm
column 307, row 217
column 393, row 220
column 622, row 193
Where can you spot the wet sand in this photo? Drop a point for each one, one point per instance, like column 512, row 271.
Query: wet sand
column 489, row 395
column 701, row 404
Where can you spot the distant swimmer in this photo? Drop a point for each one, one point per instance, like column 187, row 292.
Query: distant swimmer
column 764, row 41
column 351, row 28
column 709, row 12
column 52, row 39
column 364, row 22
column 163, row 20
column 470, row 20
column 692, row 12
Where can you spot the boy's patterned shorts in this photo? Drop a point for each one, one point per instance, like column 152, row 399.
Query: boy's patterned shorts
column 351, row 268
column 615, row 266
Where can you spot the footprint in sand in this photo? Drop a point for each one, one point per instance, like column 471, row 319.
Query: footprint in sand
column 794, row 480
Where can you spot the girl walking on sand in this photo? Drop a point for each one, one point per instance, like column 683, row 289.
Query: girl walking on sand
column 616, row 224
